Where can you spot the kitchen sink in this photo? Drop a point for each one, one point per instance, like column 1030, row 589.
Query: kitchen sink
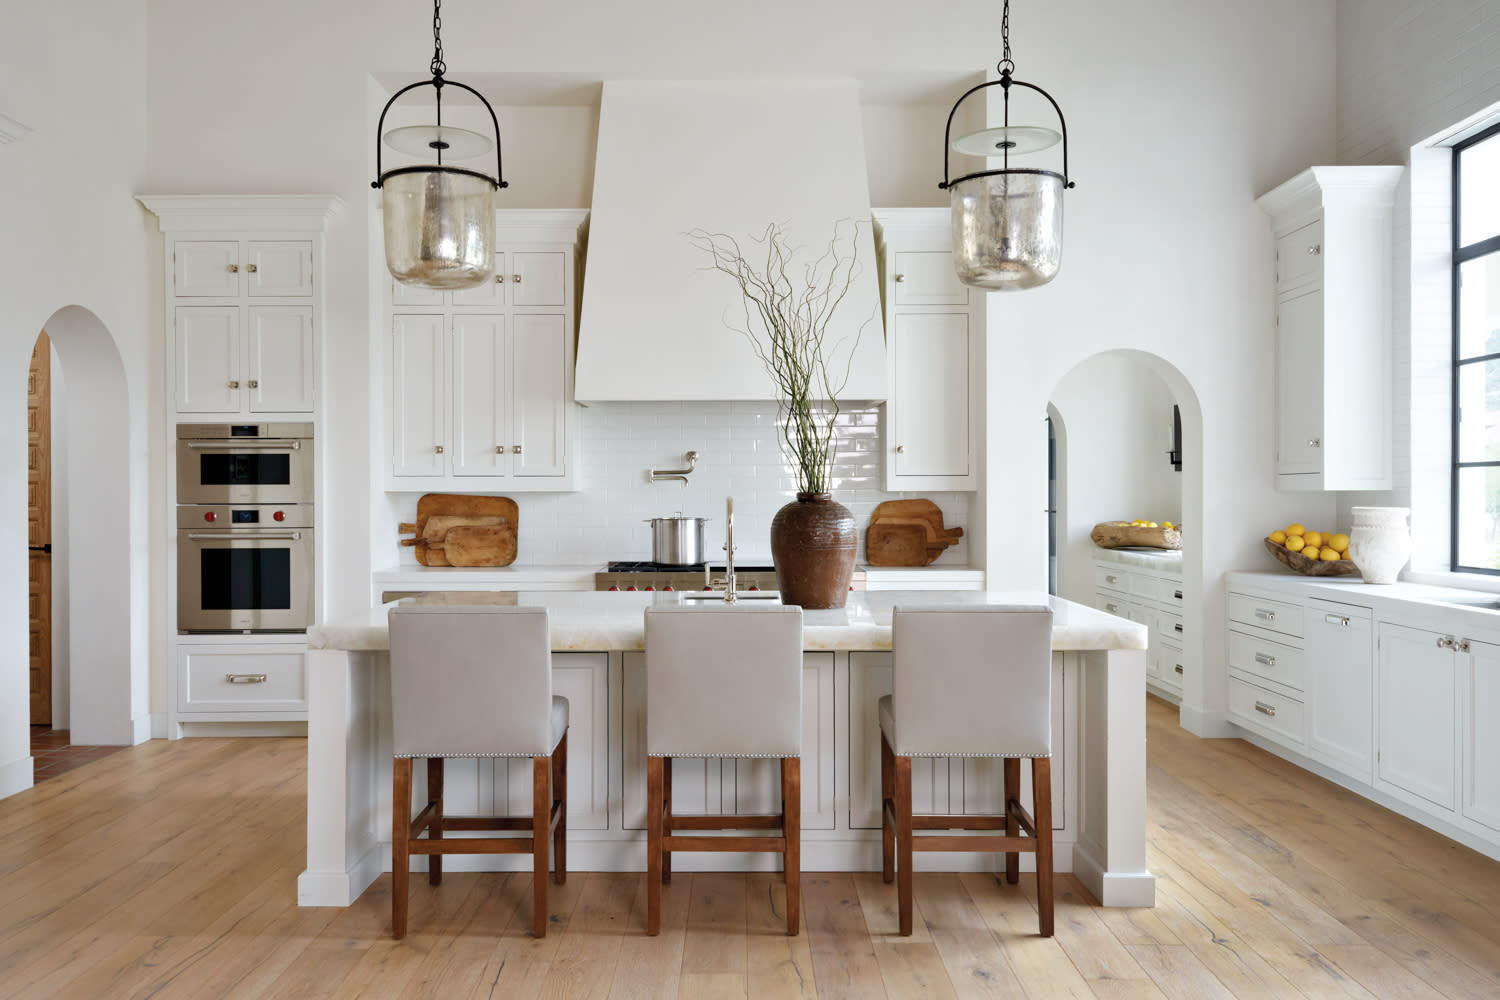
column 718, row 595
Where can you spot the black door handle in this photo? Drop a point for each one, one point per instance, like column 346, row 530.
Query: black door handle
column 41, row 548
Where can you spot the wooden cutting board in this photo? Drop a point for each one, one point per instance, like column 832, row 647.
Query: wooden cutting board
column 907, row 533
column 444, row 513
column 480, row 545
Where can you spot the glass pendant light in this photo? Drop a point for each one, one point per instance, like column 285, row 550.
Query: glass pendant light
column 1007, row 223
column 439, row 219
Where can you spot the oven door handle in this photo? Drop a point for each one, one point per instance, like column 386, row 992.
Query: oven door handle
column 240, row 444
column 244, row 536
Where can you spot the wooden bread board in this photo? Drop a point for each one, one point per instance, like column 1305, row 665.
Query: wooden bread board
column 1123, row 534
column 907, row 533
column 440, row 514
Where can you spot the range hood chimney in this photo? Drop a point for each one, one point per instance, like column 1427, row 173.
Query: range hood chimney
column 726, row 157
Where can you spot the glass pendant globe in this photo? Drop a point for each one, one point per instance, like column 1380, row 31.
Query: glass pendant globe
column 439, row 226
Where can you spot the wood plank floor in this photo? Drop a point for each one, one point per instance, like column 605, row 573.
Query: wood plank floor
column 169, row 870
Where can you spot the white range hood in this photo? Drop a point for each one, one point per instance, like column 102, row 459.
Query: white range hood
column 727, row 157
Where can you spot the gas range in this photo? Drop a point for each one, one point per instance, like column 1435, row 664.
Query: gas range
column 702, row 576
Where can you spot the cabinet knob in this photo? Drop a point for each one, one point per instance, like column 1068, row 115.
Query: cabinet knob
column 1462, row 645
column 234, row 269
column 437, row 449
column 900, row 278
column 516, row 450
column 1315, row 250
column 255, row 383
column 234, row 384
column 252, row 268
column 499, row 279
column 1445, row 642
column 499, row 449
column 1315, row 442
column 900, row 449
column 516, row 278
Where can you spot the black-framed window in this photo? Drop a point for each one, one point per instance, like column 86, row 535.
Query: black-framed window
column 1476, row 354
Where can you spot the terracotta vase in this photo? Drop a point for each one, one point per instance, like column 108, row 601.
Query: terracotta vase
column 813, row 544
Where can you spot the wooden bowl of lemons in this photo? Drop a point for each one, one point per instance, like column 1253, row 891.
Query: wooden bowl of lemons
column 1312, row 553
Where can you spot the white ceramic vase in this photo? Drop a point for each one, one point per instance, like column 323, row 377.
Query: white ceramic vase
column 1379, row 542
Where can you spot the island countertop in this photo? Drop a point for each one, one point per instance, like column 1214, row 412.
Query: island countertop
column 601, row 620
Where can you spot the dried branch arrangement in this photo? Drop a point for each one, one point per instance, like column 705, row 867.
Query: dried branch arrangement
column 794, row 317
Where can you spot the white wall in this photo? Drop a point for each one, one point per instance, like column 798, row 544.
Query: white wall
column 1117, row 415
column 74, row 73
column 1408, row 73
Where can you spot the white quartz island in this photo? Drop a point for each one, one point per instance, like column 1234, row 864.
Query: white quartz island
column 1099, row 747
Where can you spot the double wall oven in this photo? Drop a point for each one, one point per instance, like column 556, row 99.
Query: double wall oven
column 245, row 532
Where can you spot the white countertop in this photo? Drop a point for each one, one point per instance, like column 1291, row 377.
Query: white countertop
column 1398, row 599
column 1167, row 559
column 598, row 620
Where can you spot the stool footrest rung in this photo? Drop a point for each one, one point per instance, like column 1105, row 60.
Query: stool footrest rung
column 958, row 822
column 726, row 822
column 473, row 845
column 998, row 845
column 672, row 842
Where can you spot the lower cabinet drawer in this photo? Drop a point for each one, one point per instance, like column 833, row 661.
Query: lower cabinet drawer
column 1273, row 661
column 1278, row 616
column 1169, row 626
column 1170, row 664
column 242, row 679
column 1276, row 715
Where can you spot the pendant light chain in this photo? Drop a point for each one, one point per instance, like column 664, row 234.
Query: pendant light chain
column 438, row 67
column 1007, row 65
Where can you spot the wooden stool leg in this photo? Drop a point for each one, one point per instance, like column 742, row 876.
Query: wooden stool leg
column 666, row 821
column 560, row 798
column 1041, row 790
column 903, row 843
column 654, row 783
column 400, row 850
column 541, row 813
column 791, row 826
column 887, row 802
column 1012, row 826
column 435, row 824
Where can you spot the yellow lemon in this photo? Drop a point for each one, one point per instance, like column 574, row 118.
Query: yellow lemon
column 1328, row 555
column 1311, row 551
column 1295, row 529
column 1313, row 538
column 1279, row 537
column 1339, row 542
column 1347, row 556
column 1294, row 542
column 1168, row 524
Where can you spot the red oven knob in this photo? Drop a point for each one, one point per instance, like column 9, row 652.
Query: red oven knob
column 754, row 587
column 631, row 587
column 667, row 587
column 278, row 516
column 614, row 588
column 708, row 588
column 209, row 515
column 650, row 588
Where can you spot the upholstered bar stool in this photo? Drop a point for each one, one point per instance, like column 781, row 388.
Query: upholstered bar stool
column 475, row 681
column 969, row 681
column 723, row 681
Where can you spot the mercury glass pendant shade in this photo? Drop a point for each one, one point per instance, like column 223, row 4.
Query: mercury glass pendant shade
column 1007, row 228
column 439, row 226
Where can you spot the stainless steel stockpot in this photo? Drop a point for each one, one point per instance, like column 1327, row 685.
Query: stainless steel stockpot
column 677, row 541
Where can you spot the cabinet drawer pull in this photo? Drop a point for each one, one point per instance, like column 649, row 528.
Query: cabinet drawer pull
column 1315, row 442
column 1264, row 615
column 245, row 678
column 1177, row 628
column 1176, row 595
column 1336, row 620
column 1265, row 709
column 1111, row 608
column 1178, row 668
column 1315, row 250
column 1265, row 659
column 1110, row 579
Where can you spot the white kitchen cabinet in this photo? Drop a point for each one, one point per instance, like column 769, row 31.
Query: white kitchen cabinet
column 729, row 785
column 232, row 681
column 479, row 381
column 1481, row 734
column 932, row 330
column 234, row 268
column 1340, row 686
column 244, row 360
column 1332, row 227
column 1417, row 734
column 1152, row 596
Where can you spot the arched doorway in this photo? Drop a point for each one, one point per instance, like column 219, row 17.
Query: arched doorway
column 102, row 560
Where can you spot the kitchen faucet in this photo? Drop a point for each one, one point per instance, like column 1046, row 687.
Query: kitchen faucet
column 729, row 585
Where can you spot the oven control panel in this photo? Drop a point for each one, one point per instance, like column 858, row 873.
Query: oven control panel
column 245, row 516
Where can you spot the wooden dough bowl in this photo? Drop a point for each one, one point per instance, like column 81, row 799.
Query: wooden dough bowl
column 1299, row 563
column 1123, row 534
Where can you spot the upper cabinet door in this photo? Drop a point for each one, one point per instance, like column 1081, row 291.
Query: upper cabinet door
column 279, row 342
column 539, row 390
column 929, row 404
column 205, row 269
column 208, row 358
column 1299, row 257
column 537, row 278
column 275, row 269
column 927, row 278
column 419, row 419
column 490, row 292
column 414, row 295
column 1299, row 385
column 480, row 447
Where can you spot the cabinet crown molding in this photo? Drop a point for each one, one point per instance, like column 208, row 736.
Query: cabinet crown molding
column 246, row 213
column 1307, row 189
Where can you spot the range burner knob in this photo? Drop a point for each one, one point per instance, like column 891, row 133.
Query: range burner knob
column 209, row 515
column 650, row 588
column 614, row 588
column 631, row 587
column 708, row 588
column 754, row 587
column 667, row 587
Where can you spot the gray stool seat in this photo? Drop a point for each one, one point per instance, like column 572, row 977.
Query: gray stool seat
column 475, row 681
column 971, row 680
column 722, row 681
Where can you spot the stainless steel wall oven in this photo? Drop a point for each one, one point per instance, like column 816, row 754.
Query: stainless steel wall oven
column 244, row 463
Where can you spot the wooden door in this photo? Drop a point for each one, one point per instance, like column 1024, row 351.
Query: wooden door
column 39, row 527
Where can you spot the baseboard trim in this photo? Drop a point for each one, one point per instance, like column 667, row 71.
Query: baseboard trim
column 17, row 776
column 1112, row 888
column 1207, row 725
column 343, row 888
column 142, row 728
